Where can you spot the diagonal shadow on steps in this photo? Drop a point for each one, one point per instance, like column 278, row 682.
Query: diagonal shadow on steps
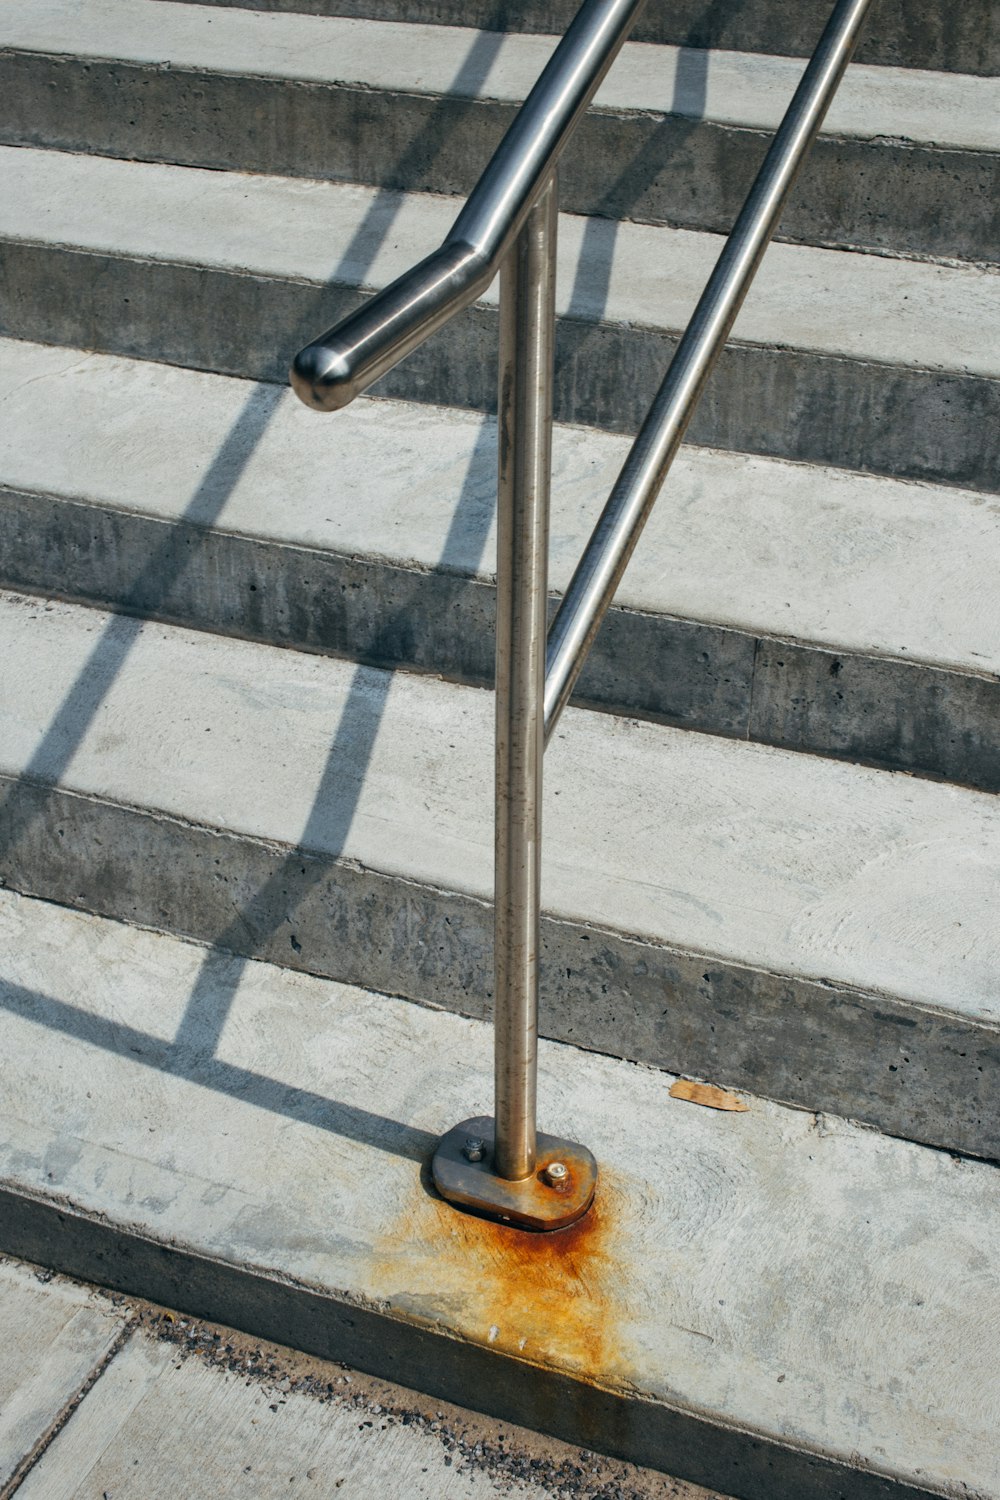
column 337, row 794
column 82, row 703
column 592, row 284
column 194, row 1065
column 155, row 581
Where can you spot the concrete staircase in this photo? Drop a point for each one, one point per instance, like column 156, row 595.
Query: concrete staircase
column 245, row 736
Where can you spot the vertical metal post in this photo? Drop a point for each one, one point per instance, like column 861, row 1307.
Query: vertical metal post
column 524, row 418
column 502, row 1166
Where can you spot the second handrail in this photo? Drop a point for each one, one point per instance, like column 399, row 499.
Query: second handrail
column 613, row 540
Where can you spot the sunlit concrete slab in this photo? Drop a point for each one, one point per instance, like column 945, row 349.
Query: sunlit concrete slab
column 964, row 39
column 834, row 357
column 772, row 1302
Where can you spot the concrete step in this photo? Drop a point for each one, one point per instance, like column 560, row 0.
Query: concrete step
column 910, row 162
column 963, row 38
column 772, row 1303
column 823, row 933
column 835, row 361
column 824, row 611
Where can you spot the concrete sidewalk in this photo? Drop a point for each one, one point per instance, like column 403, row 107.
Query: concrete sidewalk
column 107, row 1398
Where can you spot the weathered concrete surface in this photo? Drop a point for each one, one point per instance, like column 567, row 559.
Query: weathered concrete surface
column 54, row 1339
column 965, row 38
column 811, row 608
column 836, row 359
column 736, row 88
column 772, row 1303
column 721, row 908
column 808, row 608
column 156, row 1427
column 910, row 162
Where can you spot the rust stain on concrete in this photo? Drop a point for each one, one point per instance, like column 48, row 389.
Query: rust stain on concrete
column 555, row 1299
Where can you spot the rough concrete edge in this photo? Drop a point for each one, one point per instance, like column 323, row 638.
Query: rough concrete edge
column 644, row 664
column 118, row 309
column 474, row 1440
column 625, row 1425
column 603, row 990
column 461, row 92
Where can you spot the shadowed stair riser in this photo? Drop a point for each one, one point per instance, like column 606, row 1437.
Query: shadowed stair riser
column 903, row 715
column 797, row 404
column 895, row 196
column 910, row 1071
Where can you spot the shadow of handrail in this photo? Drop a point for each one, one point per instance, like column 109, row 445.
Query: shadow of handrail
column 347, row 762
column 198, row 1067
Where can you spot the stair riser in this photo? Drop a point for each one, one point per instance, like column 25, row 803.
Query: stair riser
column 965, row 39
column 911, row 1072
column 788, row 403
column 655, row 169
column 898, row 714
column 677, row 1441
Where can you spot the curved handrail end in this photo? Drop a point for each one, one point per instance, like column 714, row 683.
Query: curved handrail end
column 322, row 378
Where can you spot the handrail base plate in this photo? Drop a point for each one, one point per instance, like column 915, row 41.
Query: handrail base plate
column 533, row 1203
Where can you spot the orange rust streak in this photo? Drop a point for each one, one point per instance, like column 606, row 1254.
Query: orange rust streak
column 546, row 1290
column 551, row 1298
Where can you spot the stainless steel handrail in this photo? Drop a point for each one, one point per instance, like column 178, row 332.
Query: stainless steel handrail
column 510, row 220
column 341, row 364
column 613, row 540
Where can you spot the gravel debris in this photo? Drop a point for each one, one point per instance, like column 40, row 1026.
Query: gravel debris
column 515, row 1460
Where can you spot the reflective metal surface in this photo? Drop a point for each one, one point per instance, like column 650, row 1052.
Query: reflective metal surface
column 527, row 322
column 335, row 368
column 613, row 541
column 532, row 1203
column 504, row 1169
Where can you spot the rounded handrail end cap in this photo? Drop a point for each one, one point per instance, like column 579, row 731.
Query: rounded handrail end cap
column 321, row 378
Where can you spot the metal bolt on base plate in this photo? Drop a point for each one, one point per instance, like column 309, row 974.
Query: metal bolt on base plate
column 537, row 1202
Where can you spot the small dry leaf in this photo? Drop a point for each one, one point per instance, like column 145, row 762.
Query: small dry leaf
column 707, row 1094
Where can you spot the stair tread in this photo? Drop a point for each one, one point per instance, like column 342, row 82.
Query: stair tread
column 787, row 863
column 244, row 1116
column 964, row 39
column 753, row 544
column 859, row 307
column 750, row 89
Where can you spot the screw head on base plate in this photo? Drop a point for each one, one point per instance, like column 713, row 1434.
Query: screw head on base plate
column 557, row 1194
